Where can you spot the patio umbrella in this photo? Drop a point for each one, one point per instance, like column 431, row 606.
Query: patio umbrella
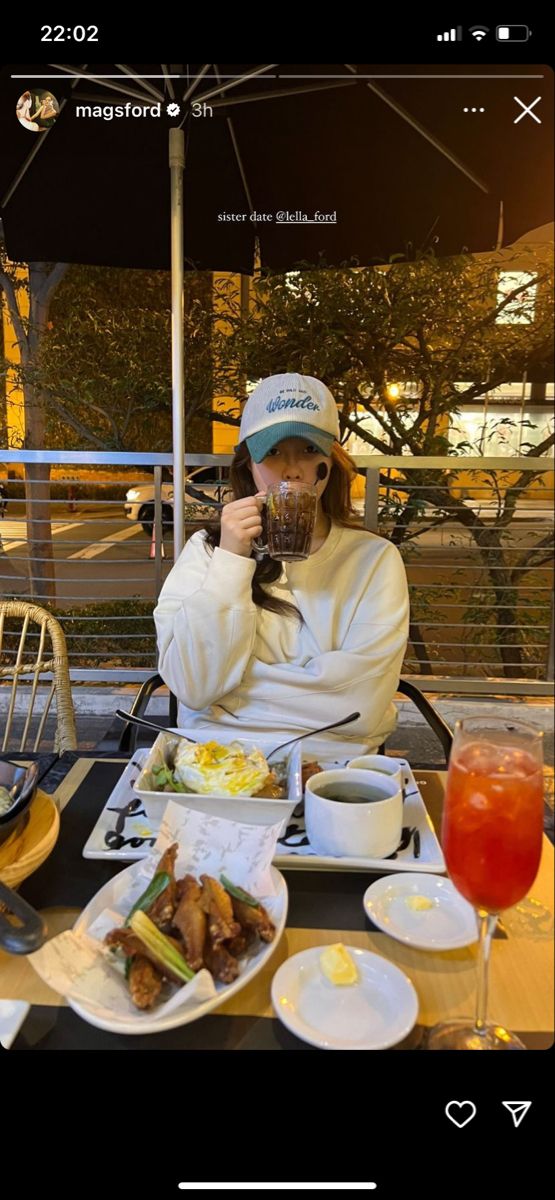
column 341, row 164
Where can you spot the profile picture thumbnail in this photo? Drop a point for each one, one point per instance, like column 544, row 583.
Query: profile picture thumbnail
column 37, row 110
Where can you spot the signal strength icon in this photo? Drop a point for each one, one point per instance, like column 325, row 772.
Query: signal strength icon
column 451, row 35
column 478, row 32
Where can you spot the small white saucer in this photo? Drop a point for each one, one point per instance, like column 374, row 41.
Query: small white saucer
column 448, row 925
column 376, row 1012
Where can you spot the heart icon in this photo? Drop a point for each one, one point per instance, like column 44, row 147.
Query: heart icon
column 460, row 1112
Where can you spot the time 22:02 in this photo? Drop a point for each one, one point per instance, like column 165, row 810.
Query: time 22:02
column 59, row 33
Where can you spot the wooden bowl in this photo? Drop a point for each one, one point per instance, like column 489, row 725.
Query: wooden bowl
column 24, row 852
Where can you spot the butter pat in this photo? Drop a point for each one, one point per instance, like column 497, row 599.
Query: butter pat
column 419, row 903
column 338, row 966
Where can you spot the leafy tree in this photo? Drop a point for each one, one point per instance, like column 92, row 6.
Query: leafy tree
column 105, row 363
column 95, row 371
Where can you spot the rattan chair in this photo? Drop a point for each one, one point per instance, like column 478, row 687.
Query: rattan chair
column 37, row 646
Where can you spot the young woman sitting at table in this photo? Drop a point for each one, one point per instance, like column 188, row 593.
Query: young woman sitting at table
column 256, row 648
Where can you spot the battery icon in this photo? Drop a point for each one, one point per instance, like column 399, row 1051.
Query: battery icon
column 512, row 33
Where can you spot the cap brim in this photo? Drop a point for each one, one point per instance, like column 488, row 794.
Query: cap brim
column 259, row 444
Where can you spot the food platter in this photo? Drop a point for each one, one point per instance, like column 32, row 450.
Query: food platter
column 142, row 1023
column 124, row 830
column 170, row 937
column 211, row 799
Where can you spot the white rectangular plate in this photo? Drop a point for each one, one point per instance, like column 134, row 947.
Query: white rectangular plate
column 296, row 854
column 124, row 832
column 138, row 834
column 123, row 808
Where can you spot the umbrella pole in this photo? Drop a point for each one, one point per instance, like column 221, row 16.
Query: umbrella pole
column 177, row 166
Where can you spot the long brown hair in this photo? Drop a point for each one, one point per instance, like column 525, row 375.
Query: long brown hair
column 336, row 503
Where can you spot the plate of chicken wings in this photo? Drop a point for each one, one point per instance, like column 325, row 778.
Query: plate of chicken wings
column 181, row 945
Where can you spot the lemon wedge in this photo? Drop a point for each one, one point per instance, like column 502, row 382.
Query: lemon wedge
column 338, row 966
column 419, row 903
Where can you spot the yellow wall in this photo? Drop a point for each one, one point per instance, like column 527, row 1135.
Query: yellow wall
column 476, row 485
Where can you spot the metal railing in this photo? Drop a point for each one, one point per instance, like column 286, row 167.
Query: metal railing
column 476, row 555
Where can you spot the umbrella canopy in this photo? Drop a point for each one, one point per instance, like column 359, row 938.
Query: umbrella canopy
column 396, row 159
column 299, row 163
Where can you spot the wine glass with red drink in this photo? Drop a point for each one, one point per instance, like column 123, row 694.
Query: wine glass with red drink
column 492, row 838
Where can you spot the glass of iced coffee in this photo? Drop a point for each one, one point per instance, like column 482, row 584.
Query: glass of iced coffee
column 288, row 521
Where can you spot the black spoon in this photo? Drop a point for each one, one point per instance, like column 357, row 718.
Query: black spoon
column 312, row 732
column 126, row 716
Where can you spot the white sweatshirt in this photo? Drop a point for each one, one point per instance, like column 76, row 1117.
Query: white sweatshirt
column 276, row 678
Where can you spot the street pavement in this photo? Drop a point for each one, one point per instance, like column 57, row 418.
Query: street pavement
column 99, row 555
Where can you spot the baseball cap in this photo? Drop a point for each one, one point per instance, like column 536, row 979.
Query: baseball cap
column 285, row 406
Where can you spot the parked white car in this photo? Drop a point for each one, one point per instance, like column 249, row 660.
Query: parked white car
column 203, row 486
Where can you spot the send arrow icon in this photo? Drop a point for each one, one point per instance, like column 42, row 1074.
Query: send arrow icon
column 517, row 1109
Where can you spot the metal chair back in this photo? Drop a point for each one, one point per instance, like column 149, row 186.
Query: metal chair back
column 128, row 738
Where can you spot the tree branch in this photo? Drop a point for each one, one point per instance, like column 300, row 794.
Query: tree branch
column 538, row 451
column 9, row 291
column 224, row 419
column 425, row 529
column 525, row 564
column 367, row 437
column 106, row 416
column 74, row 423
column 51, row 282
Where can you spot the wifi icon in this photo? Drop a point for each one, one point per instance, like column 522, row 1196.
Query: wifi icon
column 478, row 32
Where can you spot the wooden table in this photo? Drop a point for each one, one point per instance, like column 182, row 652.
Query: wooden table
column 323, row 907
